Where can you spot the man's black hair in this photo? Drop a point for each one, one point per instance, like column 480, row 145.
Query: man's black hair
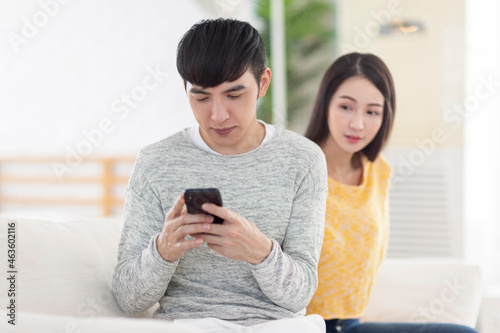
column 217, row 51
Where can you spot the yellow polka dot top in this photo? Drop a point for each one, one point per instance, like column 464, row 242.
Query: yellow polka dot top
column 355, row 241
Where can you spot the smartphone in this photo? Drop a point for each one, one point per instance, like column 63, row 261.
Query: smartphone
column 195, row 197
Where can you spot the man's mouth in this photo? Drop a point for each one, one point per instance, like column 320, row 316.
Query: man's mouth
column 224, row 130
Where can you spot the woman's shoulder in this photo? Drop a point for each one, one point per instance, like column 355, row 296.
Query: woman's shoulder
column 382, row 161
column 381, row 166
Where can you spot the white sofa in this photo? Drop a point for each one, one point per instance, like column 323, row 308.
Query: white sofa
column 64, row 269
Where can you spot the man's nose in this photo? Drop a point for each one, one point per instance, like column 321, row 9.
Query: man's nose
column 219, row 113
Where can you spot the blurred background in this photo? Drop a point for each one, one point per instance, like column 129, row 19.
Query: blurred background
column 85, row 84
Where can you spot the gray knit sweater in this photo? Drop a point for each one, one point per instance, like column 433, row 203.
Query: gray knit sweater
column 281, row 187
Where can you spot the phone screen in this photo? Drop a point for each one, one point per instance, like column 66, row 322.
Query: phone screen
column 196, row 197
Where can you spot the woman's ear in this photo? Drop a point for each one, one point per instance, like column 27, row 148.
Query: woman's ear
column 265, row 81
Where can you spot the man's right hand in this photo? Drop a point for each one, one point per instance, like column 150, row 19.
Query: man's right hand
column 171, row 242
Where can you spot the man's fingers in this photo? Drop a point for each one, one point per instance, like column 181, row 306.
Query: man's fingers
column 189, row 244
column 209, row 238
column 176, row 209
column 194, row 229
column 187, row 224
column 219, row 211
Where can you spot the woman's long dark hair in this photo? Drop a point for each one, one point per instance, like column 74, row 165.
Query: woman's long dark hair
column 370, row 67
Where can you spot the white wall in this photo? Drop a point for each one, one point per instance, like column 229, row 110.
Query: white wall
column 68, row 66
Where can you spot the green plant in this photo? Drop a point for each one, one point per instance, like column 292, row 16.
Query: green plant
column 309, row 41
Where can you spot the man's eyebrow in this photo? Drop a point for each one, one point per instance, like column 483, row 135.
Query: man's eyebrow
column 235, row 88
column 195, row 90
column 354, row 100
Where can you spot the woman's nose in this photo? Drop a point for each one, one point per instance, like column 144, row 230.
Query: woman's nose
column 357, row 122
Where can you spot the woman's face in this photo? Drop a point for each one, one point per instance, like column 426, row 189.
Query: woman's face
column 355, row 114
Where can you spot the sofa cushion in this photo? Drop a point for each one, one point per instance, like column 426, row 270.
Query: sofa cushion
column 426, row 290
column 66, row 268
column 31, row 322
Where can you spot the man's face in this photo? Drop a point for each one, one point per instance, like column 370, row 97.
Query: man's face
column 227, row 113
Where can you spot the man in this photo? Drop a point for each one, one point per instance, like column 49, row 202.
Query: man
column 260, row 264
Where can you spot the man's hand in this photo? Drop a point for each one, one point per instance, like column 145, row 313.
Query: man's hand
column 171, row 242
column 237, row 238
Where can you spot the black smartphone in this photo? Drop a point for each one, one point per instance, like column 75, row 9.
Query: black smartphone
column 195, row 197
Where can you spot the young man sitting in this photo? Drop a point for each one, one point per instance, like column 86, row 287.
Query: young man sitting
column 259, row 267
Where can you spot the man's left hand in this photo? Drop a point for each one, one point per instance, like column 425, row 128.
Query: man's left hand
column 237, row 238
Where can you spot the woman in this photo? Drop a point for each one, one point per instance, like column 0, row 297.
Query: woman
column 351, row 121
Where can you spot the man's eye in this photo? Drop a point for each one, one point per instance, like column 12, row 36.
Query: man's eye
column 234, row 96
column 202, row 99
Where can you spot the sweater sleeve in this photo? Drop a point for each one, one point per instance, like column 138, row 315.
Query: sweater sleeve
column 288, row 276
column 141, row 275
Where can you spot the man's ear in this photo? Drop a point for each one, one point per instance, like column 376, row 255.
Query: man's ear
column 265, row 81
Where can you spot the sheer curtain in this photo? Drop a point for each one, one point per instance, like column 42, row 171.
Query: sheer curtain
column 482, row 139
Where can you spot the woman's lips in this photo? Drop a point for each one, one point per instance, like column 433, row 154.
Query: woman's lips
column 352, row 138
column 223, row 131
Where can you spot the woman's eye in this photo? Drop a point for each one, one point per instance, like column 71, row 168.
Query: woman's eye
column 345, row 107
column 373, row 113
